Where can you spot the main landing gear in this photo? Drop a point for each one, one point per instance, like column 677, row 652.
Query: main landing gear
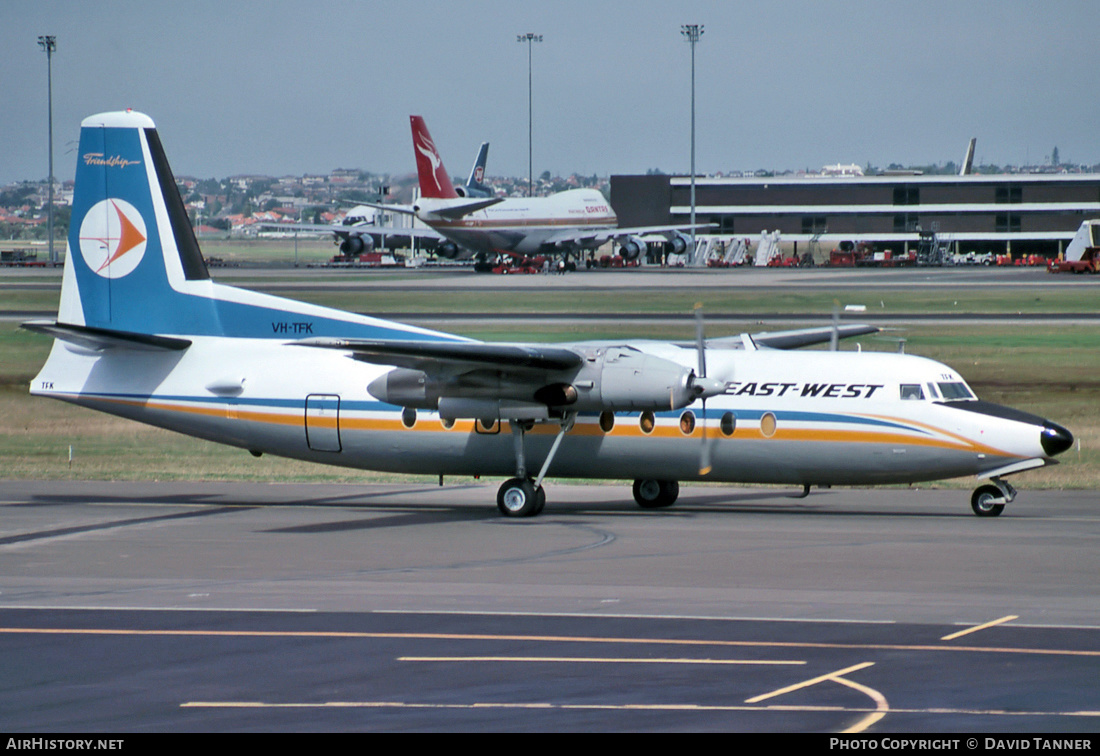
column 520, row 497
column 523, row 496
column 655, row 494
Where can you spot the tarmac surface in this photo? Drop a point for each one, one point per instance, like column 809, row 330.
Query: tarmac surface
column 153, row 607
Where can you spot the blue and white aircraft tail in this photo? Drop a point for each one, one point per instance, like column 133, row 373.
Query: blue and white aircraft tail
column 134, row 267
column 475, row 185
column 143, row 332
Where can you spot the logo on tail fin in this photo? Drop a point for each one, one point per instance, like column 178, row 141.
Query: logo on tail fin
column 429, row 166
column 112, row 238
column 427, row 149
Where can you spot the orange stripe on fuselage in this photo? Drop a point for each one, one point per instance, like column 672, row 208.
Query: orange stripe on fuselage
column 954, row 442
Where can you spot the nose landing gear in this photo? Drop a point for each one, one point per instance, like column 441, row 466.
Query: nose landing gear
column 990, row 500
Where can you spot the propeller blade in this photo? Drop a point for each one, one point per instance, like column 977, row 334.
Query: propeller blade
column 700, row 340
column 701, row 350
column 704, row 454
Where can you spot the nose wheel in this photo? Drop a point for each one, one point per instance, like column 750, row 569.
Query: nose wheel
column 989, row 501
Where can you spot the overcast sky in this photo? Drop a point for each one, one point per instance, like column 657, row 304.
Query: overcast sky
column 297, row 86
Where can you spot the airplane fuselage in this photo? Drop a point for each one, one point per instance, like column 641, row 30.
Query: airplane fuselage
column 835, row 418
column 521, row 225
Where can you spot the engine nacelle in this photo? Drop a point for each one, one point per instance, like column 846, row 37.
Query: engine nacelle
column 356, row 245
column 678, row 243
column 623, row 378
column 611, row 378
column 405, row 388
column 632, row 248
column 447, row 249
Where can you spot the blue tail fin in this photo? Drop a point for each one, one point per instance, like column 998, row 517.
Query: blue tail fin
column 134, row 268
column 475, row 184
column 133, row 262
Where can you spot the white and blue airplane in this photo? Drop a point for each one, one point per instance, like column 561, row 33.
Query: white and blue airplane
column 144, row 333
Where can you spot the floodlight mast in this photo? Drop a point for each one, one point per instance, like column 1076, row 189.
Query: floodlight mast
column 529, row 38
column 48, row 43
column 692, row 33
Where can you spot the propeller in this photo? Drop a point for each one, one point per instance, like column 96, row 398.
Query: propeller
column 701, row 351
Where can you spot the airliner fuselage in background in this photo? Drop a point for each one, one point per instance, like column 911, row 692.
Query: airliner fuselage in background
column 526, row 226
column 562, row 224
column 144, row 333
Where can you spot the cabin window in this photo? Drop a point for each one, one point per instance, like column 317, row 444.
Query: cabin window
column 955, row 391
column 646, row 422
column 911, row 392
column 607, row 421
column 768, row 425
column 687, row 423
column 408, row 417
column 728, row 424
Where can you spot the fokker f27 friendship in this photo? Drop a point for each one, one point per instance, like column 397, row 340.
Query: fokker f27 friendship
column 144, row 333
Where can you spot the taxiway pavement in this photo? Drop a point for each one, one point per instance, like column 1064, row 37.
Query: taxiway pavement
column 134, row 607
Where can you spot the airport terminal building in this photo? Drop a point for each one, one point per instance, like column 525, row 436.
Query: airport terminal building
column 1019, row 214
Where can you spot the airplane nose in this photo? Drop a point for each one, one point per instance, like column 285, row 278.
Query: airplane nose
column 1055, row 439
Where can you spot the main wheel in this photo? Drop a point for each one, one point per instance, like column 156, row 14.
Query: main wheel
column 518, row 497
column 984, row 501
column 654, row 494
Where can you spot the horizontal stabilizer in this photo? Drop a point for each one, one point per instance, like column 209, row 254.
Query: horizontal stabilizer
column 428, row 355
column 104, row 338
column 453, row 211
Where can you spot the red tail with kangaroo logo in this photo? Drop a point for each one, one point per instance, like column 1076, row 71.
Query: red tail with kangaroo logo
column 434, row 181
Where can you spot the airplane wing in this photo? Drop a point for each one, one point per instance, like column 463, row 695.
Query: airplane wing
column 386, row 231
column 603, row 235
column 455, row 356
column 454, row 211
column 459, row 356
column 357, row 229
column 795, row 339
column 450, row 211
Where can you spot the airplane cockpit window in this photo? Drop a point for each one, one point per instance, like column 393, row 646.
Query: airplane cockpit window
column 932, row 393
column 912, row 391
column 952, row 391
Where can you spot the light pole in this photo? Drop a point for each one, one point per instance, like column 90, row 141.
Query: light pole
column 49, row 43
column 692, row 32
column 529, row 38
